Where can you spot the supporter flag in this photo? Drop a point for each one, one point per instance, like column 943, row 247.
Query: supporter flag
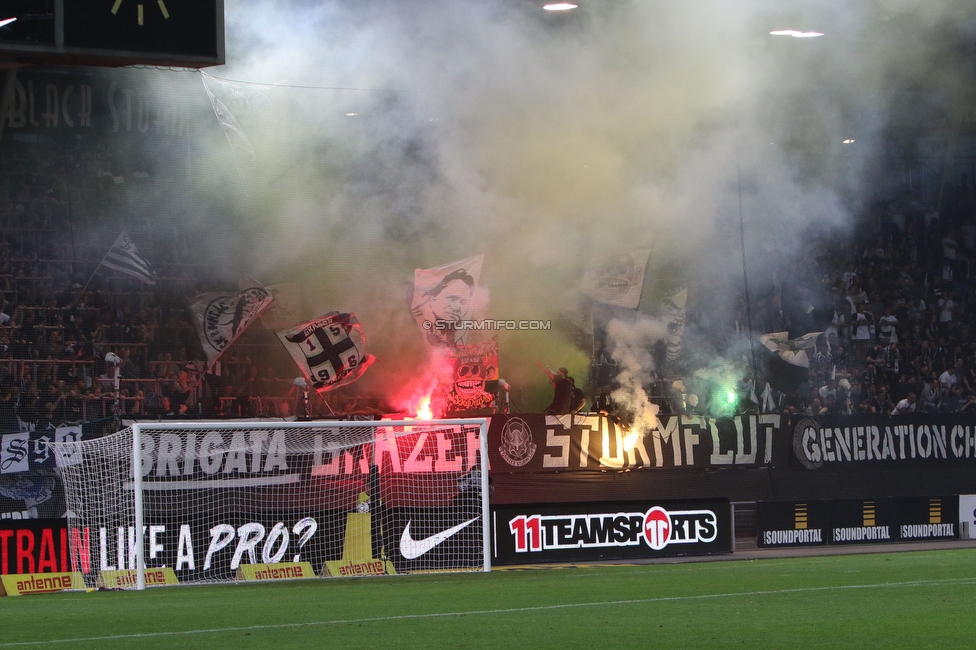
column 223, row 95
column 578, row 324
column 222, row 318
column 616, row 279
column 474, row 366
column 330, row 351
column 792, row 351
column 124, row 258
column 768, row 401
column 442, row 298
column 287, row 306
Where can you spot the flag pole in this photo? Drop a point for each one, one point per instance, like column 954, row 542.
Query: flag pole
column 100, row 264
column 327, row 405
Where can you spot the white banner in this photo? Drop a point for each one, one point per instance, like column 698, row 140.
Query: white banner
column 222, row 318
column 444, row 296
column 616, row 279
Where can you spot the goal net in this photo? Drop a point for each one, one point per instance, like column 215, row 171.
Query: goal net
column 200, row 502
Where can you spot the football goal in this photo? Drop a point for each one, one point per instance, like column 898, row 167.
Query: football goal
column 200, row 502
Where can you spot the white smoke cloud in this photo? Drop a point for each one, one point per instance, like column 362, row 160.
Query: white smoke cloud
column 630, row 345
column 540, row 139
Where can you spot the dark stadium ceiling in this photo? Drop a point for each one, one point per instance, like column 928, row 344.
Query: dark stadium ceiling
column 865, row 28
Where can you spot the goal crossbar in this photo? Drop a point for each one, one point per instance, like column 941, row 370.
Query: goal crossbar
column 373, row 479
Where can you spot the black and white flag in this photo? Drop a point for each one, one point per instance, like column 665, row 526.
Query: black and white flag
column 330, row 351
column 124, row 258
column 222, row 318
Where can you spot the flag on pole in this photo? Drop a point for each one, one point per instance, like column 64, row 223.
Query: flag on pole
column 330, row 351
column 222, row 318
column 124, row 258
column 287, row 306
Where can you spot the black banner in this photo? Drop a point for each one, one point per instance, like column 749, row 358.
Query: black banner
column 434, row 538
column 30, row 487
column 533, row 442
column 215, row 546
column 841, row 441
column 104, row 104
column 589, row 532
column 217, row 500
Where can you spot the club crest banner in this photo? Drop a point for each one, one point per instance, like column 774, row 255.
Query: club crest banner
column 474, row 366
column 330, row 351
column 222, row 318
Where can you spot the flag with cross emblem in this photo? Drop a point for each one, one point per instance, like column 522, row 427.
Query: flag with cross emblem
column 330, row 351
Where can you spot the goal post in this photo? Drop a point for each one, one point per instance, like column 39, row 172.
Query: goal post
column 204, row 502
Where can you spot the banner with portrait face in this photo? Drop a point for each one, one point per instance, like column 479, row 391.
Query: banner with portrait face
column 442, row 298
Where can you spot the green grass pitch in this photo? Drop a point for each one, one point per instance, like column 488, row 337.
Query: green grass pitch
column 895, row 600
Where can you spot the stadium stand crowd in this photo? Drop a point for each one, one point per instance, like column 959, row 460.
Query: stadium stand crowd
column 902, row 319
column 59, row 210
column 895, row 303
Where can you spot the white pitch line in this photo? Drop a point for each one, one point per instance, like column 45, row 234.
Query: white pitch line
column 484, row 612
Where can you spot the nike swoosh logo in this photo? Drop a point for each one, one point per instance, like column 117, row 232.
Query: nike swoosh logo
column 411, row 548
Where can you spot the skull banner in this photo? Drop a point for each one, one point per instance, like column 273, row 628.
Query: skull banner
column 617, row 279
column 474, row 366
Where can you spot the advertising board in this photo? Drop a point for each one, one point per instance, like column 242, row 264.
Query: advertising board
column 858, row 521
column 34, row 546
column 589, row 532
column 787, row 523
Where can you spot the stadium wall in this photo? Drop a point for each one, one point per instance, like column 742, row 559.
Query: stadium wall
column 537, row 458
column 552, row 459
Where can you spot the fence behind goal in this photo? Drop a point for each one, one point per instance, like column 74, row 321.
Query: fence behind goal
column 197, row 502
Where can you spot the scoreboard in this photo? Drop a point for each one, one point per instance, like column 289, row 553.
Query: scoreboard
column 180, row 33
